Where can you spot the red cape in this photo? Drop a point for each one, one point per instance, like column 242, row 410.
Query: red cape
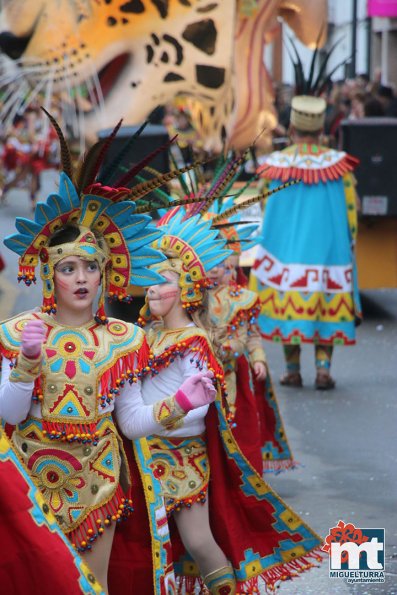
column 36, row 557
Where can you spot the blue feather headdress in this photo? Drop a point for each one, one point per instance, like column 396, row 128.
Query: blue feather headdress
column 111, row 222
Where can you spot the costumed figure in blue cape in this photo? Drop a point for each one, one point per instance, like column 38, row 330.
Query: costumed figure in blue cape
column 305, row 269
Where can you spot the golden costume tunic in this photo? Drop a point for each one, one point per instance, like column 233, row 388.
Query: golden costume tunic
column 68, row 440
column 233, row 311
column 246, row 515
column 253, row 404
column 179, row 451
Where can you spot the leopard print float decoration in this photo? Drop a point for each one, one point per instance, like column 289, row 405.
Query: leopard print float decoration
column 105, row 59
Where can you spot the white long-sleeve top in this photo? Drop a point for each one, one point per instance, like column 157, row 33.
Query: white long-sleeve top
column 158, row 387
column 134, row 417
column 167, row 382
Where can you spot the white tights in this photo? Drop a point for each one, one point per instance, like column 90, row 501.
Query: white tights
column 195, row 531
column 98, row 558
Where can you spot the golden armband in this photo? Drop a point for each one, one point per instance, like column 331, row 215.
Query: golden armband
column 168, row 413
column 26, row 369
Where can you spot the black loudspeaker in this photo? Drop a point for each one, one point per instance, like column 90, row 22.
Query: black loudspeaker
column 150, row 139
column 374, row 142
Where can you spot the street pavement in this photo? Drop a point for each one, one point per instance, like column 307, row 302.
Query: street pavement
column 345, row 439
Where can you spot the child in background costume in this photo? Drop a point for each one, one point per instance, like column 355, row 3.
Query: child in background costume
column 251, row 397
column 233, row 312
column 66, row 370
column 229, row 520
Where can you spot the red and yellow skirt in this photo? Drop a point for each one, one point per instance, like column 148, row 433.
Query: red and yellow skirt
column 80, row 482
column 182, row 466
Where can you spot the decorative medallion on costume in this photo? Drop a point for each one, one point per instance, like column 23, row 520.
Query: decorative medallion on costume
column 305, row 270
column 43, row 550
column 261, row 537
column 69, row 441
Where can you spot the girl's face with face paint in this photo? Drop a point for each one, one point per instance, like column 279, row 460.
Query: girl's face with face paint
column 76, row 283
column 165, row 298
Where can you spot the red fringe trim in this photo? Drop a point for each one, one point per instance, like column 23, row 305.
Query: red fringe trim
column 283, row 572
column 243, row 315
column 118, row 293
column 100, row 315
column 144, row 354
column 49, row 305
column 70, row 432
column 128, row 368
column 272, row 577
column 116, row 510
column 310, row 176
column 279, row 465
column 26, row 273
column 38, row 390
column 7, row 353
column 195, row 345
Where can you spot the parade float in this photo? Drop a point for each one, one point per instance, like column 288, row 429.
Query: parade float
column 93, row 60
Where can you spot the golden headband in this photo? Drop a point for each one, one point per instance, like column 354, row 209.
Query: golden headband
column 86, row 246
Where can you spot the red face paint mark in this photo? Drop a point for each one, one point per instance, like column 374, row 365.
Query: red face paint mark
column 62, row 284
column 164, row 296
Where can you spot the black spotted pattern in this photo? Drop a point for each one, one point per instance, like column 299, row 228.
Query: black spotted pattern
column 202, row 35
column 134, row 6
column 207, row 8
column 210, row 76
column 178, row 48
column 162, row 6
column 172, row 77
column 149, row 53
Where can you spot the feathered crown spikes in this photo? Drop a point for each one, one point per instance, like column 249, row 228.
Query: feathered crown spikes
column 197, row 248
column 211, row 198
column 212, row 201
column 312, row 84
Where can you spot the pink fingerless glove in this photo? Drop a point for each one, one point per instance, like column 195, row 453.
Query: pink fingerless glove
column 33, row 337
column 196, row 391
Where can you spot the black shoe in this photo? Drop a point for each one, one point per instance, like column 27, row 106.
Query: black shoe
column 293, row 379
column 324, row 381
